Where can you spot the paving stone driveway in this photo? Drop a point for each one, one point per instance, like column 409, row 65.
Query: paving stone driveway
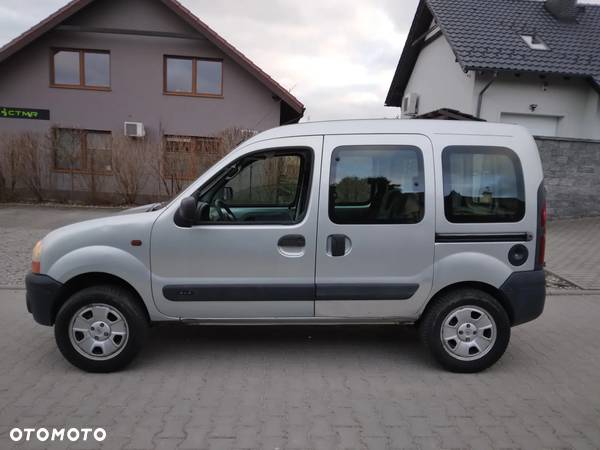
column 573, row 251
column 311, row 387
column 22, row 226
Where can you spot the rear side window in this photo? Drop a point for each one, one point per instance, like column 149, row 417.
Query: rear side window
column 379, row 184
column 482, row 185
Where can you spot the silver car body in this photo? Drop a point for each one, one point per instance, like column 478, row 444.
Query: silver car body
column 249, row 255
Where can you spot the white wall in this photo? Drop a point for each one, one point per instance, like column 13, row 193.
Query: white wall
column 440, row 83
column 439, row 80
column 572, row 103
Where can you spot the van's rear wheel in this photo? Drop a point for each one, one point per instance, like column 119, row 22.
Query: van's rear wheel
column 100, row 329
column 466, row 330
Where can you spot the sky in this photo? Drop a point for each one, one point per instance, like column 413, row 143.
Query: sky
column 337, row 56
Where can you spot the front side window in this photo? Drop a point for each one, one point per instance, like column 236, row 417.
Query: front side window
column 193, row 76
column 82, row 151
column 482, row 185
column 85, row 69
column 378, row 184
column 261, row 188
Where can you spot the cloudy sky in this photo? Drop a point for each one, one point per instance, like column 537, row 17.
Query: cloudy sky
column 337, row 56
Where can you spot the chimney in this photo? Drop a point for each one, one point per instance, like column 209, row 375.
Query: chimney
column 563, row 10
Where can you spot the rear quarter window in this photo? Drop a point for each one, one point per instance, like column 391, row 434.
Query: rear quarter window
column 482, row 185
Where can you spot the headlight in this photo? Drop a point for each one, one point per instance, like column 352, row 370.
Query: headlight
column 35, row 257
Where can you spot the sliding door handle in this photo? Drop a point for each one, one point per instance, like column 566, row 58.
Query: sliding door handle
column 338, row 245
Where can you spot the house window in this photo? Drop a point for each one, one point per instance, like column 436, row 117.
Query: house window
column 82, row 151
column 193, row 76
column 83, row 69
column 186, row 157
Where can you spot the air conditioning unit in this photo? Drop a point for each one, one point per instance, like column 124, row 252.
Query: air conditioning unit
column 135, row 129
column 410, row 105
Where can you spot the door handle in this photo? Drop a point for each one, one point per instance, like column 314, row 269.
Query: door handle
column 292, row 240
column 337, row 244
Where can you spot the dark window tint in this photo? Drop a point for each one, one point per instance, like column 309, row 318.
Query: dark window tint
column 482, row 185
column 179, row 75
column 376, row 184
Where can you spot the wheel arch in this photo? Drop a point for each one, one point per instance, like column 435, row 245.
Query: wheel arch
column 82, row 281
column 485, row 287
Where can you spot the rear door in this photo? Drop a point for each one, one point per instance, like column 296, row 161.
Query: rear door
column 375, row 240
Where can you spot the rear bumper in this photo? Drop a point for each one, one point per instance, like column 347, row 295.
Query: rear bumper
column 525, row 293
column 42, row 297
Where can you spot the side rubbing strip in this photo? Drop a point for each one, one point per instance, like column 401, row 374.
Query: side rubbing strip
column 366, row 291
column 239, row 292
column 503, row 237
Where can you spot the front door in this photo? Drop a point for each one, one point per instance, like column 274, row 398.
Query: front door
column 252, row 252
column 375, row 244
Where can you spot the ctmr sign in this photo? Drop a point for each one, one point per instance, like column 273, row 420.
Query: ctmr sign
column 9, row 112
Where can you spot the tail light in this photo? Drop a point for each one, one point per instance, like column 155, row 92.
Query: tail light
column 542, row 238
column 541, row 231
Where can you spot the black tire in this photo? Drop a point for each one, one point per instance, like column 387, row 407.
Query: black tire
column 430, row 329
column 120, row 300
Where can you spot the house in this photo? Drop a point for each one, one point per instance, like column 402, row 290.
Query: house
column 530, row 62
column 150, row 69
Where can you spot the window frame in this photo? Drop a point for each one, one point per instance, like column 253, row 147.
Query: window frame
column 303, row 194
column 83, row 152
column 194, row 92
column 474, row 150
column 194, row 140
column 331, row 205
column 81, row 85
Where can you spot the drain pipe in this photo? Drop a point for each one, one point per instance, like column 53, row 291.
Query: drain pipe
column 480, row 98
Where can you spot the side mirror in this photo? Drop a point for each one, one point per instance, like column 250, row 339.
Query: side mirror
column 186, row 213
column 227, row 193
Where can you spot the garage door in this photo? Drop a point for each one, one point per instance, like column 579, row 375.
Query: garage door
column 537, row 125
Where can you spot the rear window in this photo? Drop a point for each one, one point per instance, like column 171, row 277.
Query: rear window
column 482, row 185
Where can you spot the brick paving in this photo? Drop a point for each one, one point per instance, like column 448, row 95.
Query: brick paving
column 311, row 387
column 22, row 226
column 573, row 251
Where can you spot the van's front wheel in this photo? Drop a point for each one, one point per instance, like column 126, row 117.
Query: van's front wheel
column 100, row 329
column 466, row 330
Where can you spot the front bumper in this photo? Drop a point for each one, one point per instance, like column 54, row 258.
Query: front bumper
column 525, row 293
column 43, row 295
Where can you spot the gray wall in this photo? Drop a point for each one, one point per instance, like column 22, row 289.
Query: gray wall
column 572, row 176
column 136, row 79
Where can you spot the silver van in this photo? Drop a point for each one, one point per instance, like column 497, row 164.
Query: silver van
column 436, row 223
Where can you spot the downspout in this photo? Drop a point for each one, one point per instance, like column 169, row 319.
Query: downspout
column 480, row 98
